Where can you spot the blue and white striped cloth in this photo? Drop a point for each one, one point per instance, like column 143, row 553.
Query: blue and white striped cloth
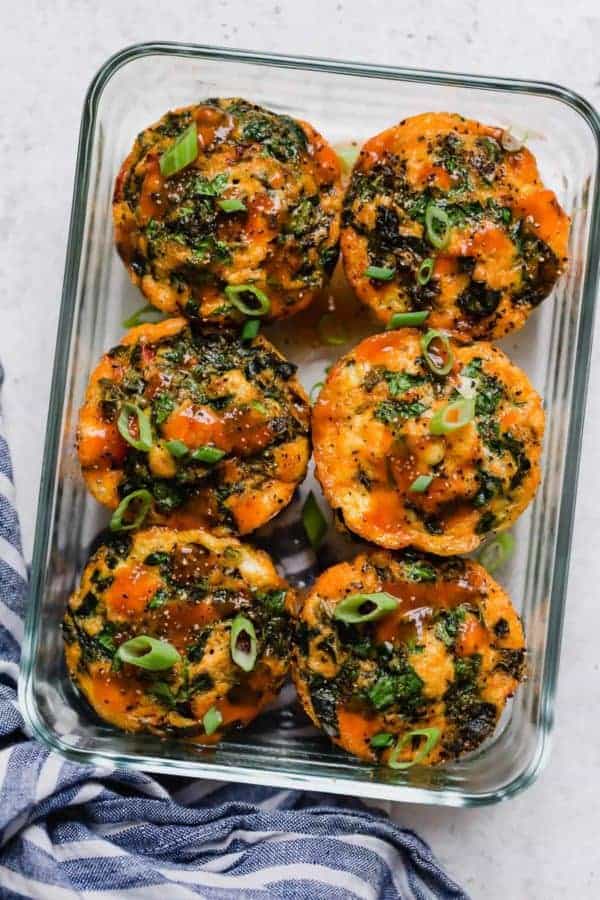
column 69, row 831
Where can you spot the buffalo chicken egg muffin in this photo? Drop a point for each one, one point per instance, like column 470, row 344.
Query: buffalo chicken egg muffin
column 178, row 633
column 405, row 659
column 448, row 215
column 226, row 207
column 191, row 428
column 424, row 443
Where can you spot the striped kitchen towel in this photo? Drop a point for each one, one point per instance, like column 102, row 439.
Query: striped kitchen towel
column 70, row 831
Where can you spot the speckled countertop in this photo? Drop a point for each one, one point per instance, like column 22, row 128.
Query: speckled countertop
column 543, row 845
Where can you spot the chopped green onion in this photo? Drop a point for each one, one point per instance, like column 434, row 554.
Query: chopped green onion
column 144, row 441
column 379, row 273
column 208, row 454
column 232, row 205
column 315, row 523
column 381, row 739
column 181, row 153
column 453, row 416
column 331, row 330
column 432, row 736
column 177, row 449
column 420, row 484
column 250, row 330
column 143, row 315
column 348, row 156
column 437, row 225
column 233, row 293
column 425, row 271
column 407, row 320
column 148, row 653
column 365, row 607
column 211, row 720
column 315, row 391
column 497, row 552
column 116, row 521
column 243, row 643
column 439, row 363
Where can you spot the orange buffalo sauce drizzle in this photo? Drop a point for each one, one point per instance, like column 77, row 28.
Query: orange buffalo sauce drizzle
column 358, row 730
column 238, row 431
column 153, row 197
column 131, row 590
column 419, row 602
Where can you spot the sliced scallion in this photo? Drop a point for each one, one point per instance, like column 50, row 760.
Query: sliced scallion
column 144, row 441
column 143, row 315
column 453, row 416
column 207, row 454
column 432, row 737
column 407, row 320
column 211, row 720
column 243, row 644
column 148, row 653
column 315, row 391
column 177, row 449
column 145, row 500
column 250, row 330
column 379, row 273
column 233, row 205
column 181, row 153
column 420, row 484
column 439, row 359
column 425, row 271
column 315, row 523
column 437, row 225
column 348, row 156
column 235, row 292
column 497, row 552
column 365, row 607
column 331, row 330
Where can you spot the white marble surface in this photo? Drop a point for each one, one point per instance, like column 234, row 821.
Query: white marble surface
column 542, row 845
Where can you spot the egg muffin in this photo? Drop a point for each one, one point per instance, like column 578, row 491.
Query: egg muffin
column 225, row 207
column 407, row 658
column 422, row 442
column 178, row 633
column 448, row 215
column 190, row 428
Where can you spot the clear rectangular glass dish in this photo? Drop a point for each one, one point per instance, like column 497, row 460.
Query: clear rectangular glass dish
column 345, row 102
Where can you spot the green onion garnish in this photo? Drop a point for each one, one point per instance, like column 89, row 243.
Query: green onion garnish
column 177, row 448
column 331, row 330
column 208, row 454
column 379, row 273
column 432, row 736
column 148, row 653
column 211, row 720
column 497, row 552
column 437, row 225
column 182, row 153
column 420, row 484
column 116, row 521
column 315, row 391
column 453, row 416
column 144, row 441
column 348, row 156
column 243, row 643
column 315, row 523
column 233, row 293
column 441, row 362
column 425, row 270
column 407, row 320
column 250, row 330
column 381, row 739
column 233, row 205
column 143, row 315
column 365, row 607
